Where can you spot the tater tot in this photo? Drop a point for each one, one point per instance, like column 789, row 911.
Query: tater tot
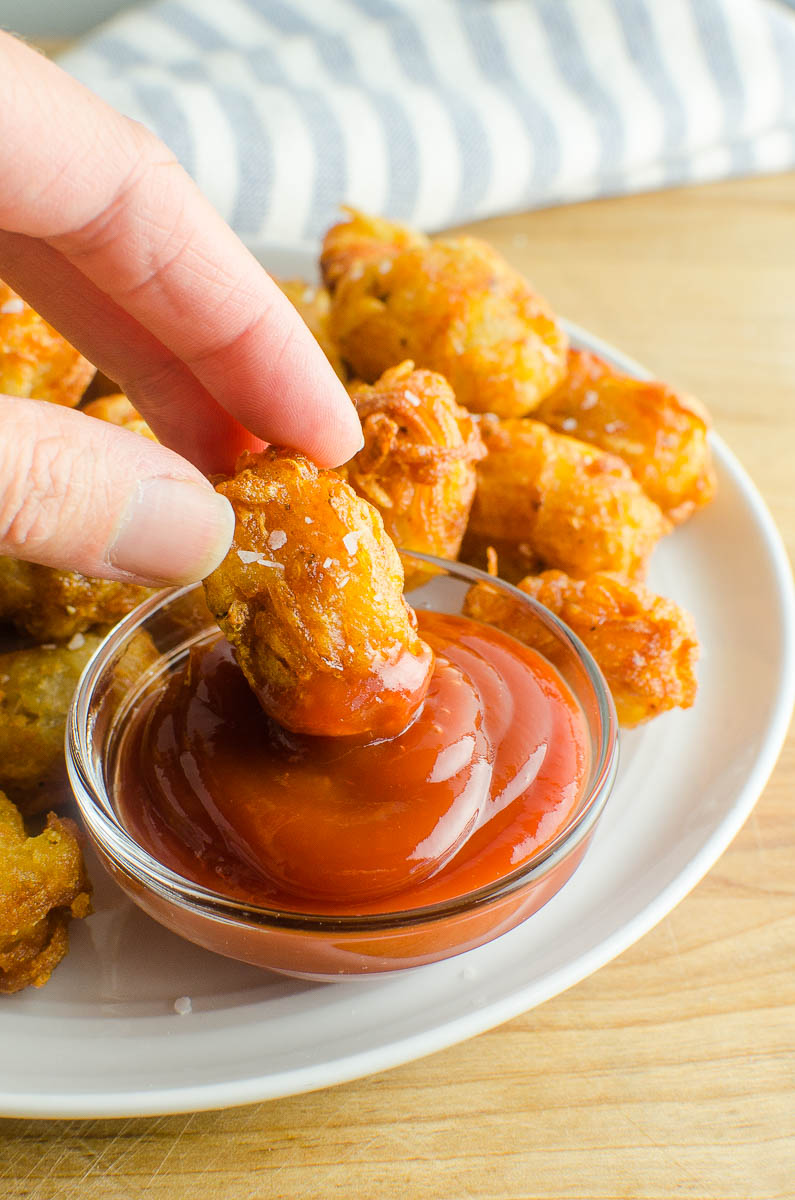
column 644, row 644
column 43, row 884
column 661, row 434
column 310, row 598
column 53, row 605
column 451, row 305
column 417, row 465
column 36, row 363
column 571, row 505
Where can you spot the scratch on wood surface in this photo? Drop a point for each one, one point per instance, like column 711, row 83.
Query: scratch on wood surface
column 667, row 1153
column 189, row 1120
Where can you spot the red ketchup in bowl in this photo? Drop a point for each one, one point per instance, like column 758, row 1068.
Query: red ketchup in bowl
column 489, row 772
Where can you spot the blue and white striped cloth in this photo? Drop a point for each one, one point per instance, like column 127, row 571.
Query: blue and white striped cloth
column 440, row 111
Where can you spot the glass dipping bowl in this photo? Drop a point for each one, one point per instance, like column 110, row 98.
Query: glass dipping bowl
column 306, row 944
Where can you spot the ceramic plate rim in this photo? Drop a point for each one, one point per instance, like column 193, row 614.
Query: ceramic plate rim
column 218, row 1094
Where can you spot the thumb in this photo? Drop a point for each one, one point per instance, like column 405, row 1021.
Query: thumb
column 83, row 495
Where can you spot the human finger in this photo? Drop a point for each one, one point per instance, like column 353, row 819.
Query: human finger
column 180, row 411
column 81, row 494
column 112, row 199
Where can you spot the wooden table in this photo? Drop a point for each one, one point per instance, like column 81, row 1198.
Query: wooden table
column 671, row 1072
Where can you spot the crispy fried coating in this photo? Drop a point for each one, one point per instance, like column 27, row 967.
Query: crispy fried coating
column 573, row 506
column 417, row 465
column 452, row 305
column 117, row 409
column 314, row 306
column 645, row 645
column 35, row 361
column 310, row 597
column 661, row 434
column 53, row 605
column 43, row 883
column 36, row 689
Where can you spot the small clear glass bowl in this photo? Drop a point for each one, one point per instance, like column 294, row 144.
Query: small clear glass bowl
column 310, row 945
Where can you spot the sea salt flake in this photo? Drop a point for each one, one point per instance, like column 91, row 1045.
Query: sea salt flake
column 277, row 539
column 250, row 556
column 612, row 426
column 70, row 608
column 385, row 265
column 327, row 563
column 76, row 642
column 343, row 579
column 308, row 520
column 351, row 541
column 48, row 645
column 569, row 423
column 590, row 399
column 183, row 1005
column 14, row 305
column 412, row 397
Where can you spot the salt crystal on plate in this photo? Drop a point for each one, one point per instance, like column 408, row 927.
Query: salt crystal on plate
column 14, row 305
column 183, row 1005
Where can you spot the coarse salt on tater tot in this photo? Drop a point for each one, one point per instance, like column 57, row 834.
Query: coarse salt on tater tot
column 36, row 363
column 660, row 433
column 452, row 305
column 644, row 644
column 417, row 465
column 310, row 598
column 571, row 505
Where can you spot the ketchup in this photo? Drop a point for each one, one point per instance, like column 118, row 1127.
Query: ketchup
column 490, row 770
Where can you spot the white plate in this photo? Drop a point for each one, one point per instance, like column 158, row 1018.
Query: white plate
column 103, row 1038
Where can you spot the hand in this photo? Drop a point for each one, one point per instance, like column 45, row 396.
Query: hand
column 108, row 238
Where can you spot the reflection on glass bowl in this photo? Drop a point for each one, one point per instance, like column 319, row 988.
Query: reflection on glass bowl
column 306, row 944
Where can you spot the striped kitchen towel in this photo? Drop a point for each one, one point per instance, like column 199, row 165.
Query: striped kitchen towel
column 441, row 111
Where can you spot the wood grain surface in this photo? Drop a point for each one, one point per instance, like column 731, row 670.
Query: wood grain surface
column 671, row 1072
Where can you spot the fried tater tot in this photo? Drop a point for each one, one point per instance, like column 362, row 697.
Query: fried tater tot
column 53, row 605
column 645, row 645
column 572, row 505
column 314, row 306
column 661, row 434
column 36, row 689
column 310, row 597
column 43, row 884
column 452, row 305
column 117, row 409
column 36, row 363
column 417, row 465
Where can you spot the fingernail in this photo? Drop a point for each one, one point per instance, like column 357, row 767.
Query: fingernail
column 173, row 531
